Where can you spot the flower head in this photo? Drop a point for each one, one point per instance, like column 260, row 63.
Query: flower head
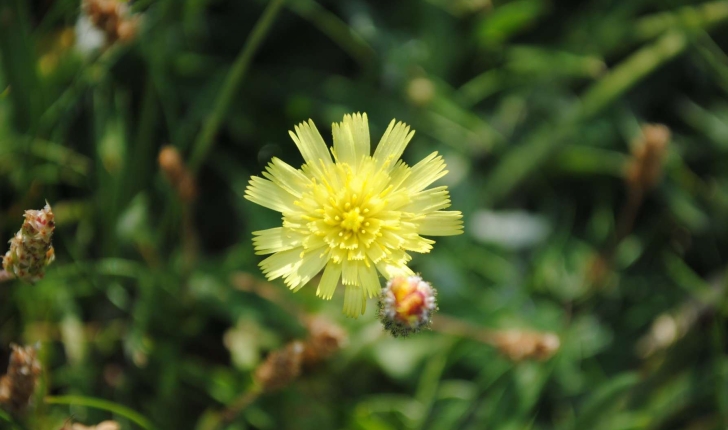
column 352, row 216
column 406, row 305
column 30, row 249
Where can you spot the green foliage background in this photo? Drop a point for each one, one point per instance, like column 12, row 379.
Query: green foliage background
column 534, row 105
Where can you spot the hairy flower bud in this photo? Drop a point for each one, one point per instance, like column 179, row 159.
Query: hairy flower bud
column 30, row 249
column 406, row 305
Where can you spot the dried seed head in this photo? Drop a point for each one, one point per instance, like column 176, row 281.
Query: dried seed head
column 644, row 171
column 17, row 386
column 176, row 172
column 325, row 339
column 106, row 425
column 280, row 368
column 30, row 249
column 520, row 345
column 406, row 305
column 113, row 18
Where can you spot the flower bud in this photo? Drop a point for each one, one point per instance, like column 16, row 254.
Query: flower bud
column 30, row 249
column 406, row 305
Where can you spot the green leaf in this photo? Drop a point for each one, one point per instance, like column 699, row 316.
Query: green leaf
column 105, row 405
column 603, row 401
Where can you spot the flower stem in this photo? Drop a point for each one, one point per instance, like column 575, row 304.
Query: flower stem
column 205, row 139
column 241, row 403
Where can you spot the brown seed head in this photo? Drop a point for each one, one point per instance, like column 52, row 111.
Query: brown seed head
column 644, row 170
column 280, row 368
column 325, row 339
column 176, row 172
column 105, row 425
column 127, row 30
column 17, row 386
column 520, row 345
column 113, row 18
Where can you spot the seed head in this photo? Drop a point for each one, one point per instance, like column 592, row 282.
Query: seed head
column 18, row 385
column 519, row 345
column 644, row 170
column 406, row 305
column 106, row 425
column 177, row 173
column 324, row 340
column 113, row 18
column 30, row 249
column 280, row 368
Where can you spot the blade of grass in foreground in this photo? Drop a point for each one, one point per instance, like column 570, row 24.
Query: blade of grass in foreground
column 105, row 405
column 230, row 88
column 4, row 416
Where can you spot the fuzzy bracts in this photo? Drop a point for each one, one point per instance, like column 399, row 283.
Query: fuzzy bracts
column 30, row 249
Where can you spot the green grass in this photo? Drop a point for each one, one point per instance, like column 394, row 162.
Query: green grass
column 535, row 105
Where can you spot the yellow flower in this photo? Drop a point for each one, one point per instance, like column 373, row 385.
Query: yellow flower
column 354, row 215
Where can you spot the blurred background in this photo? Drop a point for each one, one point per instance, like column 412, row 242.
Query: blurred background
column 589, row 288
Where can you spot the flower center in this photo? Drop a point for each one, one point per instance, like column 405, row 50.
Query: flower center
column 352, row 220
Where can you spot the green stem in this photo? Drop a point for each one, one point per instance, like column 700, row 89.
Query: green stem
column 14, row 425
column 544, row 141
column 103, row 405
column 205, row 139
column 631, row 71
column 702, row 16
column 336, row 29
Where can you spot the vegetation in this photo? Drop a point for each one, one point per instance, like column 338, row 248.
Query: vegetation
column 587, row 148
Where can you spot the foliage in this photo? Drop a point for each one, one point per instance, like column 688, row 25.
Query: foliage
column 155, row 312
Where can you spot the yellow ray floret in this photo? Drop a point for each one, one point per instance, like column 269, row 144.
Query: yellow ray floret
column 354, row 215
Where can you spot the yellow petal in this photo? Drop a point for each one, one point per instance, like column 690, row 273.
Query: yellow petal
column 392, row 145
column 425, row 172
column 309, row 266
column 329, row 281
column 281, row 263
column 312, row 147
column 369, row 280
column 275, row 240
column 428, row 201
column 354, row 301
column 285, row 176
column 442, row 223
column 418, row 244
column 391, row 269
column 269, row 195
column 351, row 139
column 350, row 272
